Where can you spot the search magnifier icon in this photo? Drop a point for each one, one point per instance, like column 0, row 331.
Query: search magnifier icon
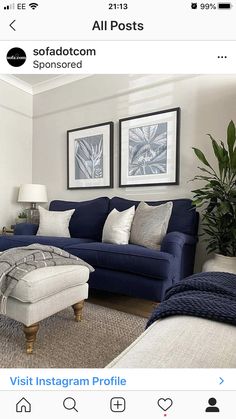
column 69, row 404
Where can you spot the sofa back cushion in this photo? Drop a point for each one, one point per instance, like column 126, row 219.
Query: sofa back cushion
column 184, row 217
column 88, row 219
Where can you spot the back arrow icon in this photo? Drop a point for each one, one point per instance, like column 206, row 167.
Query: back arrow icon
column 221, row 380
column 12, row 24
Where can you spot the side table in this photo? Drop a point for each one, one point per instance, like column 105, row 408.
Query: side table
column 8, row 231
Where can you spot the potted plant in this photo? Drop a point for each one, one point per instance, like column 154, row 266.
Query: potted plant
column 22, row 217
column 217, row 200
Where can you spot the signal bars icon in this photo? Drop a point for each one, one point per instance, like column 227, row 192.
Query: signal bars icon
column 9, row 7
column 33, row 5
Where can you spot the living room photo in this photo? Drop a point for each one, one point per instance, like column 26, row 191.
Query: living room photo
column 118, row 221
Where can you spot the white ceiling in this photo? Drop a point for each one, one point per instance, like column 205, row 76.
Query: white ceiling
column 34, row 79
column 39, row 83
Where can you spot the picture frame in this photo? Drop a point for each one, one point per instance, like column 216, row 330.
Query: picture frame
column 149, row 149
column 90, row 156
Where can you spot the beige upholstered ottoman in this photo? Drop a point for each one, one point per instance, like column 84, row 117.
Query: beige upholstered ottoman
column 44, row 292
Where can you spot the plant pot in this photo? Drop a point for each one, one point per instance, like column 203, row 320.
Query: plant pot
column 21, row 220
column 220, row 263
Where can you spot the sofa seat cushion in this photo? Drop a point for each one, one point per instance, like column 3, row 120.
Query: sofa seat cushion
column 44, row 282
column 8, row 242
column 125, row 258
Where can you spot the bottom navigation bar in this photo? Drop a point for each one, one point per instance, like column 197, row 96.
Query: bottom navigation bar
column 129, row 404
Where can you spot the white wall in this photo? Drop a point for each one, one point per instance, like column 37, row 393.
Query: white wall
column 207, row 104
column 15, row 148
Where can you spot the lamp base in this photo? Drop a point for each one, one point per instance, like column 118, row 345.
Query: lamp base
column 32, row 215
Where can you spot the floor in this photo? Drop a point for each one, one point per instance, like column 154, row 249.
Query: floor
column 63, row 343
column 123, row 303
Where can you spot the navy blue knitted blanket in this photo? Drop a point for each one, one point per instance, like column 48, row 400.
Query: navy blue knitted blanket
column 211, row 295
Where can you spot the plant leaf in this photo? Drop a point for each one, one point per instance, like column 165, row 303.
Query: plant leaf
column 221, row 155
column 201, row 156
column 231, row 139
column 82, row 165
column 233, row 160
column 205, row 170
column 86, row 148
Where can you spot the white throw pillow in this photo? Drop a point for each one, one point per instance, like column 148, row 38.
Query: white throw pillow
column 117, row 227
column 54, row 223
column 150, row 224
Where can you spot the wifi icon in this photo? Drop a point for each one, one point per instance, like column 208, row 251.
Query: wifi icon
column 33, row 5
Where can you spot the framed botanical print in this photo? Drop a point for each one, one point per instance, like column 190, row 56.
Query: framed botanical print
column 149, row 149
column 90, row 156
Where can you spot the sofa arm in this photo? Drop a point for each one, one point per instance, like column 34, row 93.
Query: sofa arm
column 182, row 247
column 26, row 229
column 175, row 241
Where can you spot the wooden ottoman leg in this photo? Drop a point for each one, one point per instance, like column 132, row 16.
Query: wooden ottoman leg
column 30, row 335
column 78, row 310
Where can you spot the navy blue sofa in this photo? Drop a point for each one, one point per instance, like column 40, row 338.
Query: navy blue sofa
column 124, row 269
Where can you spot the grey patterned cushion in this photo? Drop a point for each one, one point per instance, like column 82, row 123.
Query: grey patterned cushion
column 150, row 224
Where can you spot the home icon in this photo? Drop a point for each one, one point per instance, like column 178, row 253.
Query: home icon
column 23, row 406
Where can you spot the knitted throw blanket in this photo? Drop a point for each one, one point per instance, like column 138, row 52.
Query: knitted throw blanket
column 211, row 295
column 17, row 262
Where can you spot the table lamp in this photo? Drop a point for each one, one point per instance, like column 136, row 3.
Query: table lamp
column 33, row 193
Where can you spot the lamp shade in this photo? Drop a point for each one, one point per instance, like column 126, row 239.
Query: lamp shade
column 31, row 192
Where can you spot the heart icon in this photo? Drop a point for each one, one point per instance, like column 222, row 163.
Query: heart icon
column 165, row 404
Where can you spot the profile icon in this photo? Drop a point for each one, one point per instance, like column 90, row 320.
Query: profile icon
column 212, row 405
column 16, row 57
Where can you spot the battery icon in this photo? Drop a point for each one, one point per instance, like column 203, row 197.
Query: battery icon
column 224, row 5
